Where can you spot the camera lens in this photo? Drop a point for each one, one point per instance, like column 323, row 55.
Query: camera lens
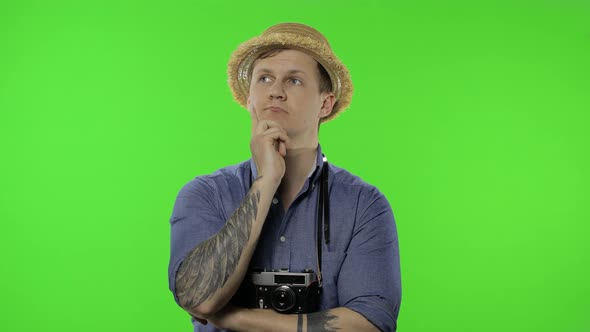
column 283, row 298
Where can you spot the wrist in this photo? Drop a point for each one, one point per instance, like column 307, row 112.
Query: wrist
column 241, row 320
column 268, row 183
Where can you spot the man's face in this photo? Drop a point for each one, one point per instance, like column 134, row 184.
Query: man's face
column 285, row 89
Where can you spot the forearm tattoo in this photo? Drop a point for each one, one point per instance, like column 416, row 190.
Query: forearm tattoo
column 322, row 321
column 210, row 264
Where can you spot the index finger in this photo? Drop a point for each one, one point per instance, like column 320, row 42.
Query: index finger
column 253, row 116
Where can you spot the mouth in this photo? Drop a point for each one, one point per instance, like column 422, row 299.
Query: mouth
column 275, row 109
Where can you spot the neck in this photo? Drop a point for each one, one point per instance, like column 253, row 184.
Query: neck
column 301, row 155
column 298, row 164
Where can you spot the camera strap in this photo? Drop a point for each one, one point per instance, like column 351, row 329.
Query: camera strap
column 323, row 217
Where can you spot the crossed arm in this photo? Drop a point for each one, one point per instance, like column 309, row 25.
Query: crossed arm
column 254, row 320
column 213, row 270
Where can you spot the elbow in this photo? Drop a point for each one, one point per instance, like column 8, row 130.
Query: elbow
column 204, row 310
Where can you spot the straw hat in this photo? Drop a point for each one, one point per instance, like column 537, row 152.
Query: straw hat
column 292, row 36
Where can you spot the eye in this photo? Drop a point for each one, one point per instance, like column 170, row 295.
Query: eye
column 296, row 81
column 263, row 79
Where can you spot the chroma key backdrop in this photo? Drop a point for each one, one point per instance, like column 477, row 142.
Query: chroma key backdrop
column 472, row 117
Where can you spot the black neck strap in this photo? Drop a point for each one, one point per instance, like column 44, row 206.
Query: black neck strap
column 323, row 216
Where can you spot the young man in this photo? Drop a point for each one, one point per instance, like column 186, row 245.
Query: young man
column 271, row 212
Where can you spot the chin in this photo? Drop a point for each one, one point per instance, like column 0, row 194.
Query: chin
column 275, row 116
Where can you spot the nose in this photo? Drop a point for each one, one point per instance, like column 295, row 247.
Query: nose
column 277, row 92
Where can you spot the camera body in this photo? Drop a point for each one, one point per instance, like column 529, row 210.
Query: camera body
column 284, row 291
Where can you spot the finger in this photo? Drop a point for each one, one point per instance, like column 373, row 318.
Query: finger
column 253, row 116
column 256, row 120
column 266, row 124
column 272, row 134
column 270, row 131
column 277, row 136
column 282, row 148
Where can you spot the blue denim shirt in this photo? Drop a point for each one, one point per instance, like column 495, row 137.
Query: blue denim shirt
column 360, row 264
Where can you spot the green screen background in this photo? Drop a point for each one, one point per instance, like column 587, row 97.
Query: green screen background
column 472, row 118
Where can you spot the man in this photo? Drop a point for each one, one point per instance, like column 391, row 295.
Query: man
column 265, row 212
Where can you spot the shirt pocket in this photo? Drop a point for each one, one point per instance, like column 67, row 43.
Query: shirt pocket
column 331, row 264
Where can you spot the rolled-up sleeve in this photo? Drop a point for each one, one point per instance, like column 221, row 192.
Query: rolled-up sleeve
column 194, row 219
column 369, row 281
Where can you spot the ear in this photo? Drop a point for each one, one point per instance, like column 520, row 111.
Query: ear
column 327, row 105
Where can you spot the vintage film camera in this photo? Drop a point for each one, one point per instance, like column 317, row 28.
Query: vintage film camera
column 283, row 291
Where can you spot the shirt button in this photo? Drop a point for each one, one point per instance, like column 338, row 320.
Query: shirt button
column 275, row 201
column 283, row 238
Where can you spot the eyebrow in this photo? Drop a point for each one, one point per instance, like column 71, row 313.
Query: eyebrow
column 268, row 71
